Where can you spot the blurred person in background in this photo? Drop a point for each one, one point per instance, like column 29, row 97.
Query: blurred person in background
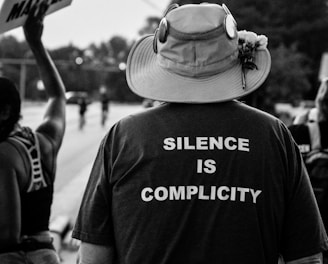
column 104, row 98
column 201, row 178
column 28, row 159
column 83, row 107
column 310, row 131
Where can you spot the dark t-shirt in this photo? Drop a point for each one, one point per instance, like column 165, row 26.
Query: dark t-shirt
column 213, row 183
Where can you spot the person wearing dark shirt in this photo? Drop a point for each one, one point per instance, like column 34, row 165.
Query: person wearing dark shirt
column 28, row 160
column 310, row 131
column 201, row 178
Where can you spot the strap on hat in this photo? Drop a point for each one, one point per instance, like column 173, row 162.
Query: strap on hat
column 162, row 30
column 170, row 8
column 213, row 33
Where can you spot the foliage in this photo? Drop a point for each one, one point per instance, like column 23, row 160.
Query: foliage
column 287, row 82
column 98, row 66
column 150, row 26
column 11, row 48
column 297, row 33
column 119, row 90
column 289, row 74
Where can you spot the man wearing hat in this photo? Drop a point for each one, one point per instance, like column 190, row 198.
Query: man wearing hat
column 202, row 178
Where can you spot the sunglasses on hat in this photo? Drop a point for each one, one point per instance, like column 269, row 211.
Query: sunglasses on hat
column 161, row 33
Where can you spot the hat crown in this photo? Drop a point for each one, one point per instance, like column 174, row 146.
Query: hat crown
column 197, row 43
column 194, row 18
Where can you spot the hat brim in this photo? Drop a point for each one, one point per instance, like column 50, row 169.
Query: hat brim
column 147, row 79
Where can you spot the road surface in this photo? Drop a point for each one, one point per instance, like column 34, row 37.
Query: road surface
column 76, row 155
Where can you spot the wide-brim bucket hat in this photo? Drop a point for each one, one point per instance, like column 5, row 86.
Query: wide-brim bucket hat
column 197, row 56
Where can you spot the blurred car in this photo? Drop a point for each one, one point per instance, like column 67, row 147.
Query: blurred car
column 73, row 97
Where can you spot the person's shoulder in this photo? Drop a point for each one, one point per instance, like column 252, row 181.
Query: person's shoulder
column 9, row 153
column 144, row 115
column 13, row 146
column 12, row 167
column 136, row 123
column 8, row 147
column 254, row 114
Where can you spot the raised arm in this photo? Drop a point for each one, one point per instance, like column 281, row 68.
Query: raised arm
column 53, row 124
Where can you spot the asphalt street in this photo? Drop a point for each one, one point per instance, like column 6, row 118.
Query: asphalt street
column 75, row 160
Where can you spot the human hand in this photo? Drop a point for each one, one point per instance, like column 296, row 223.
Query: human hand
column 33, row 27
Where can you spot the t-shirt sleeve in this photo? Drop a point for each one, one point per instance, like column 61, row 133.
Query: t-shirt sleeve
column 303, row 232
column 94, row 223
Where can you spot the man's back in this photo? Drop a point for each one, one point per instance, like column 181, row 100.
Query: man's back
column 187, row 188
column 203, row 179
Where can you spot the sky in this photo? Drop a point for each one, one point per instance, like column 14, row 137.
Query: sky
column 94, row 21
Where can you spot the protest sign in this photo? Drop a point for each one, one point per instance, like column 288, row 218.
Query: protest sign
column 323, row 71
column 13, row 13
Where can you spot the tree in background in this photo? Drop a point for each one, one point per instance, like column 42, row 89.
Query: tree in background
column 150, row 26
column 297, row 32
column 11, row 48
column 287, row 81
column 81, row 69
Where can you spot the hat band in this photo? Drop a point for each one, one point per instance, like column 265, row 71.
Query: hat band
column 198, row 70
column 216, row 32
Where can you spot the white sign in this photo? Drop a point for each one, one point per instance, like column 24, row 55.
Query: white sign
column 14, row 12
column 323, row 72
